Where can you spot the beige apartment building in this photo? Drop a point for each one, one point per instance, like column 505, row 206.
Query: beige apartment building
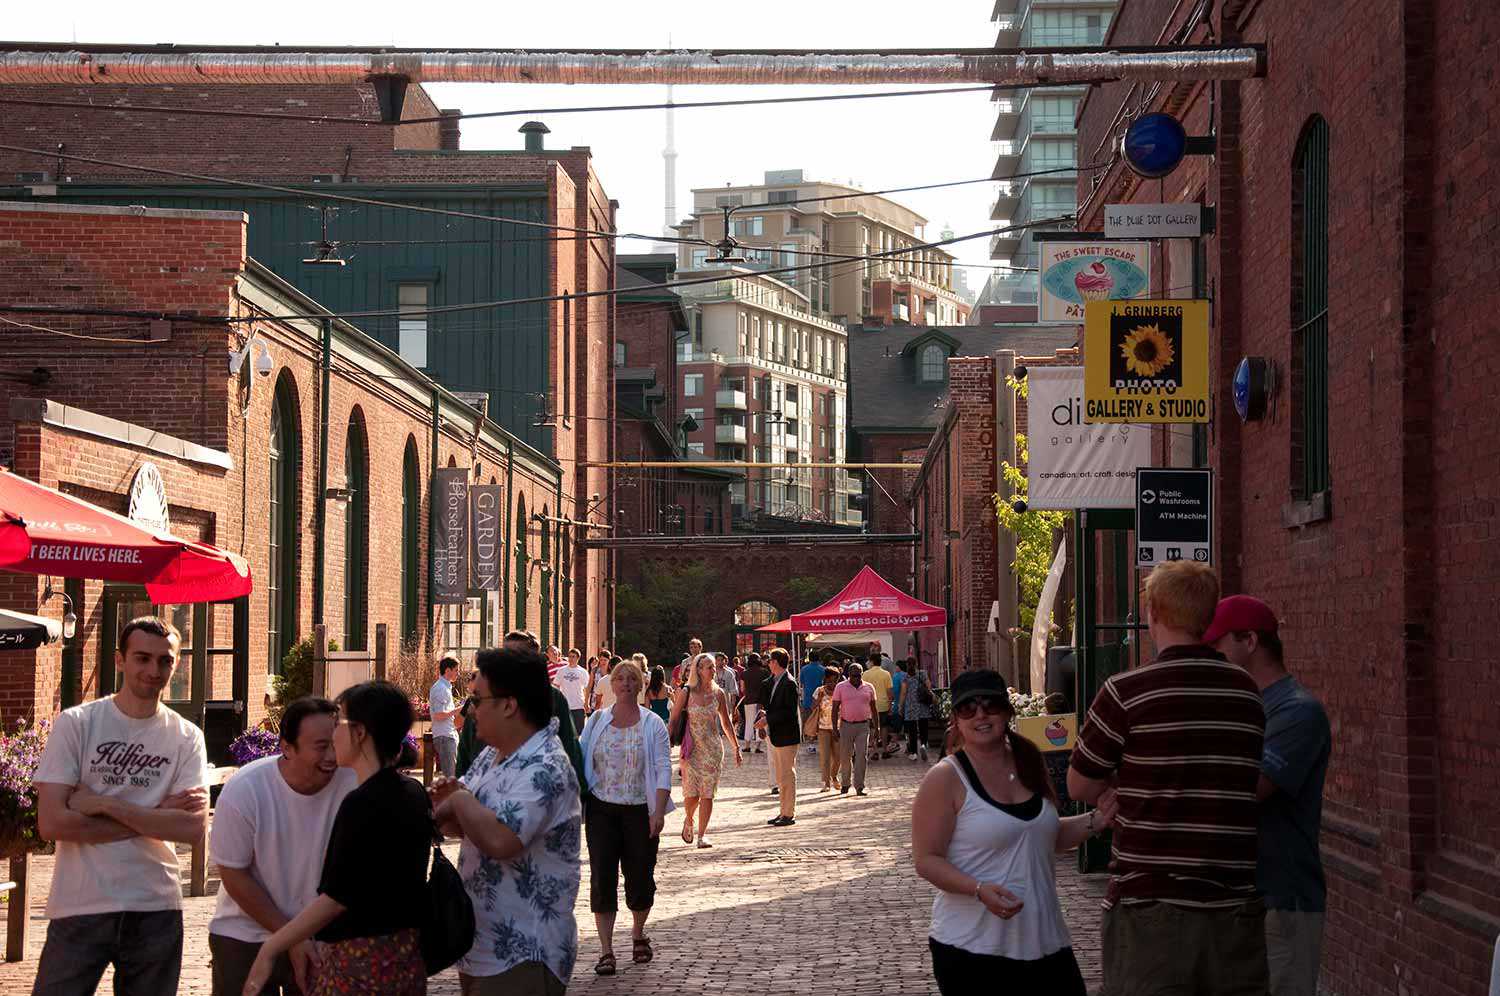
column 787, row 220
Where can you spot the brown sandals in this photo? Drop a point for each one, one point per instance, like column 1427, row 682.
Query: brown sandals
column 640, row 950
column 605, row 965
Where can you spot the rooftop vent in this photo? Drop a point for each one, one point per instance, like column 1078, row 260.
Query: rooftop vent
column 534, row 130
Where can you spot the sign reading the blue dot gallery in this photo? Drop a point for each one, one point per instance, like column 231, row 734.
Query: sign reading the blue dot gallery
column 1153, row 221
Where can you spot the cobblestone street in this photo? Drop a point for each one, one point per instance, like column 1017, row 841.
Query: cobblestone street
column 765, row 910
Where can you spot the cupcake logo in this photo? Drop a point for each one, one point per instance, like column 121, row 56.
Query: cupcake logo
column 1074, row 274
column 1056, row 733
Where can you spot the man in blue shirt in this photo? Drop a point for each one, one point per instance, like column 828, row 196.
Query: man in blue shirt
column 442, row 709
column 812, row 680
column 1289, row 867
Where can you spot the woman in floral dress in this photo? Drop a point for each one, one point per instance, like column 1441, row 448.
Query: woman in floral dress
column 708, row 724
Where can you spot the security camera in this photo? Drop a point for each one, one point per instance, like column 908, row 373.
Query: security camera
column 265, row 366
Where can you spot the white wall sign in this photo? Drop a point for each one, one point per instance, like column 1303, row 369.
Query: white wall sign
column 1079, row 269
column 1073, row 465
column 1153, row 221
column 148, row 499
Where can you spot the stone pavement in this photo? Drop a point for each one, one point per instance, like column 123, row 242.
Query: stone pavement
column 764, row 911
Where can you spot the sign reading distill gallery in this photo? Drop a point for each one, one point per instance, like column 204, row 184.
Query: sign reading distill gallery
column 1146, row 361
column 1072, row 464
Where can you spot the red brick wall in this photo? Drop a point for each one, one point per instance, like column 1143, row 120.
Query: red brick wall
column 1379, row 601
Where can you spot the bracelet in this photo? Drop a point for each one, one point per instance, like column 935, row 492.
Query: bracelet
column 977, row 886
column 1091, row 821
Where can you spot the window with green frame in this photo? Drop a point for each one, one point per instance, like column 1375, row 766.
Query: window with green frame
column 411, row 540
column 521, row 562
column 284, row 468
column 356, row 535
column 546, row 572
column 1310, row 457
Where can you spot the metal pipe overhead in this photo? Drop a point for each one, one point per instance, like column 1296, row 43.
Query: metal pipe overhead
column 190, row 65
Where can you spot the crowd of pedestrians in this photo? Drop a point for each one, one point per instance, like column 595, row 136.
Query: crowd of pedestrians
column 1207, row 765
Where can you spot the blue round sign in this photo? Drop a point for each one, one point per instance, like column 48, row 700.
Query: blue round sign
column 1154, row 145
column 1242, row 388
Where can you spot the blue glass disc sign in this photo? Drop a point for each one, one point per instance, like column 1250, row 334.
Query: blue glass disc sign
column 1154, row 144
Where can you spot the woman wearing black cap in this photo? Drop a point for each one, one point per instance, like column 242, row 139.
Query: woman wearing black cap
column 985, row 828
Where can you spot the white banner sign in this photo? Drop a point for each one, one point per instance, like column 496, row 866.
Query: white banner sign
column 1073, row 465
column 1153, row 221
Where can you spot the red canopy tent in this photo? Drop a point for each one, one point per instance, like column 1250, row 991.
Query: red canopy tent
column 43, row 531
column 869, row 602
column 785, row 626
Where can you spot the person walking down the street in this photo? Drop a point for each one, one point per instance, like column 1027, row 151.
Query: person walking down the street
column 442, row 710
column 628, row 764
column 707, row 715
column 1181, row 740
column 518, row 813
column 916, row 710
column 811, row 677
column 598, row 665
column 555, row 663
column 368, row 912
column 658, row 696
column 782, row 727
column 878, row 678
column 1293, row 766
column 270, row 832
column 752, row 697
column 679, row 673
column 985, row 832
column 853, row 705
column 828, row 743
column 121, row 780
column 728, row 682
column 601, row 693
column 572, row 680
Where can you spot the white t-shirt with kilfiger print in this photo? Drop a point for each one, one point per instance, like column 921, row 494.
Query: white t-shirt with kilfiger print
column 140, row 761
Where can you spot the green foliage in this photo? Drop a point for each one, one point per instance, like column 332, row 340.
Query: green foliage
column 296, row 676
column 655, row 617
column 808, row 592
column 1033, row 528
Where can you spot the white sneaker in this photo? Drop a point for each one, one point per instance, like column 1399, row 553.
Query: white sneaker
column 911, row 757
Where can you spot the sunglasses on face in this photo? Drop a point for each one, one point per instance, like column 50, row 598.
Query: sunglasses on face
column 992, row 705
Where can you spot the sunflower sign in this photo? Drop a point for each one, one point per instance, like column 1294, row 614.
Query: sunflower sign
column 1145, row 361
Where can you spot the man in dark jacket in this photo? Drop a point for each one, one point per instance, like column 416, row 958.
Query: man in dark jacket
column 753, row 680
column 783, row 728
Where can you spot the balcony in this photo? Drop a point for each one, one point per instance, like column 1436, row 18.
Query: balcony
column 788, row 409
column 1006, row 198
column 1007, row 154
column 1007, row 116
column 730, row 399
column 733, row 435
column 1008, row 30
column 1004, row 245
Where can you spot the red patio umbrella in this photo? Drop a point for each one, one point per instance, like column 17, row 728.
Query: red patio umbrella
column 43, row 531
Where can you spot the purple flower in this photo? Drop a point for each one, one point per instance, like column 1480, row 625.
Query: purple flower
column 252, row 745
column 20, row 753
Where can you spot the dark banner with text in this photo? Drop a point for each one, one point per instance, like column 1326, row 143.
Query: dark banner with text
column 487, row 544
column 450, row 535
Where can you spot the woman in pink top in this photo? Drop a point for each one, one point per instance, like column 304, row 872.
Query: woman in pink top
column 853, row 705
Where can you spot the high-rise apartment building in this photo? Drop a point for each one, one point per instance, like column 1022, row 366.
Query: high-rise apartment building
column 1034, row 131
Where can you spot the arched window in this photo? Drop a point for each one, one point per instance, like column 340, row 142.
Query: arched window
column 284, row 470
column 411, row 540
column 565, row 625
column 521, row 561
column 1309, row 388
column 546, row 579
column 933, row 366
column 748, row 617
column 356, row 534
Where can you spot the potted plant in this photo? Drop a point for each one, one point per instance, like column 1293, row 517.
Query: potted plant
column 19, row 754
column 252, row 745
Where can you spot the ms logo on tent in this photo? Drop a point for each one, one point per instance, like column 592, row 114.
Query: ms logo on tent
column 858, row 605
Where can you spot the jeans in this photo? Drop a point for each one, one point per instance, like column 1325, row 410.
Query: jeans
column 231, row 959
column 1294, row 944
column 446, row 749
column 144, row 948
column 854, row 746
column 916, row 732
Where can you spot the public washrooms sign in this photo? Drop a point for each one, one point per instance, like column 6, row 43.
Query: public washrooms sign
column 1173, row 516
column 1146, row 361
column 1072, row 464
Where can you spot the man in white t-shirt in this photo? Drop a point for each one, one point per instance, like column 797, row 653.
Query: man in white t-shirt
column 121, row 780
column 440, row 705
column 270, row 832
column 572, row 680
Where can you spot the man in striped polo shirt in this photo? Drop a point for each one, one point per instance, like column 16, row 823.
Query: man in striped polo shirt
column 1180, row 739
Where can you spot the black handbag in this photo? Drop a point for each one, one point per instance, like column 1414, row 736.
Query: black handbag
column 448, row 921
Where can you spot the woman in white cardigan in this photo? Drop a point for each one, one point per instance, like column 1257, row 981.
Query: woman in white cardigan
column 627, row 763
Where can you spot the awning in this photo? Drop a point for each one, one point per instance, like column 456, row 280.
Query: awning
column 18, row 631
column 869, row 602
column 45, row 532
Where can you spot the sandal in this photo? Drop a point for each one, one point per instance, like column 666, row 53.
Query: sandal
column 640, row 950
column 687, row 830
column 605, row 965
column 703, row 843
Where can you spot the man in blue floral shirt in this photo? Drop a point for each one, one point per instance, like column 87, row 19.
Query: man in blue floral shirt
column 518, row 811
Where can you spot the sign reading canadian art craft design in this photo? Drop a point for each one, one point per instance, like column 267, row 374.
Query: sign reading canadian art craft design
column 1146, row 361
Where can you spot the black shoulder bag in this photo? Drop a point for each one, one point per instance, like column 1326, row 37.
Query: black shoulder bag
column 448, row 921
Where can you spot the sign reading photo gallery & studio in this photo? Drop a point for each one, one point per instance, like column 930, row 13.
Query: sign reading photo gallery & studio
column 1146, row 361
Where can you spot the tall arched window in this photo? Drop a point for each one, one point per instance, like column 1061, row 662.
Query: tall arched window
column 356, row 534
column 411, row 540
column 565, row 617
column 1309, row 389
column 284, row 471
column 547, row 579
column 521, row 561
column 933, row 367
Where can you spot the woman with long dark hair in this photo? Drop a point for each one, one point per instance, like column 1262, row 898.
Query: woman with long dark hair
column 985, row 830
column 374, row 885
column 658, row 695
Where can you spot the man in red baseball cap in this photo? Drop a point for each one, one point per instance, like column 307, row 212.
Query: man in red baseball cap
column 1289, row 867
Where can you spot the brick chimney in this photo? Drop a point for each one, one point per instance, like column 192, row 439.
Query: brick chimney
column 448, row 128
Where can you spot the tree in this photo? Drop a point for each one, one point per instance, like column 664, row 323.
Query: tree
column 808, row 592
column 655, row 616
column 1033, row 528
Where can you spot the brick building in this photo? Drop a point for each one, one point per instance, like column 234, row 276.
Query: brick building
column 86, row 401
column 1355, row 210
column 452, row 228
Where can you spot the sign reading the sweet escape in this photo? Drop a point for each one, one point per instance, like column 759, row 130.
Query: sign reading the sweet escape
column 1146, row 361
column 450, row 535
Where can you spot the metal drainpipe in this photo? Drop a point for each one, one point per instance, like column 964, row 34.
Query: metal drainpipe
column 320, row 509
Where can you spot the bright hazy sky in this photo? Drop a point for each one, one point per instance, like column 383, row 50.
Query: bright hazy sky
column 893, row 142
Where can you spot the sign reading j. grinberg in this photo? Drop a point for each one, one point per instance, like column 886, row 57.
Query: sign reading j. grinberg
column 1146, row 361
column 1073, row 464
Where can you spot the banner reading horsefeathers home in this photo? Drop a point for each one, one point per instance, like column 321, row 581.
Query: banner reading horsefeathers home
column 1145, row 361
column 450, row 535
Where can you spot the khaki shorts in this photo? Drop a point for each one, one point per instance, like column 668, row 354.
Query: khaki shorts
column 1157, row 949
column 1294, row 946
